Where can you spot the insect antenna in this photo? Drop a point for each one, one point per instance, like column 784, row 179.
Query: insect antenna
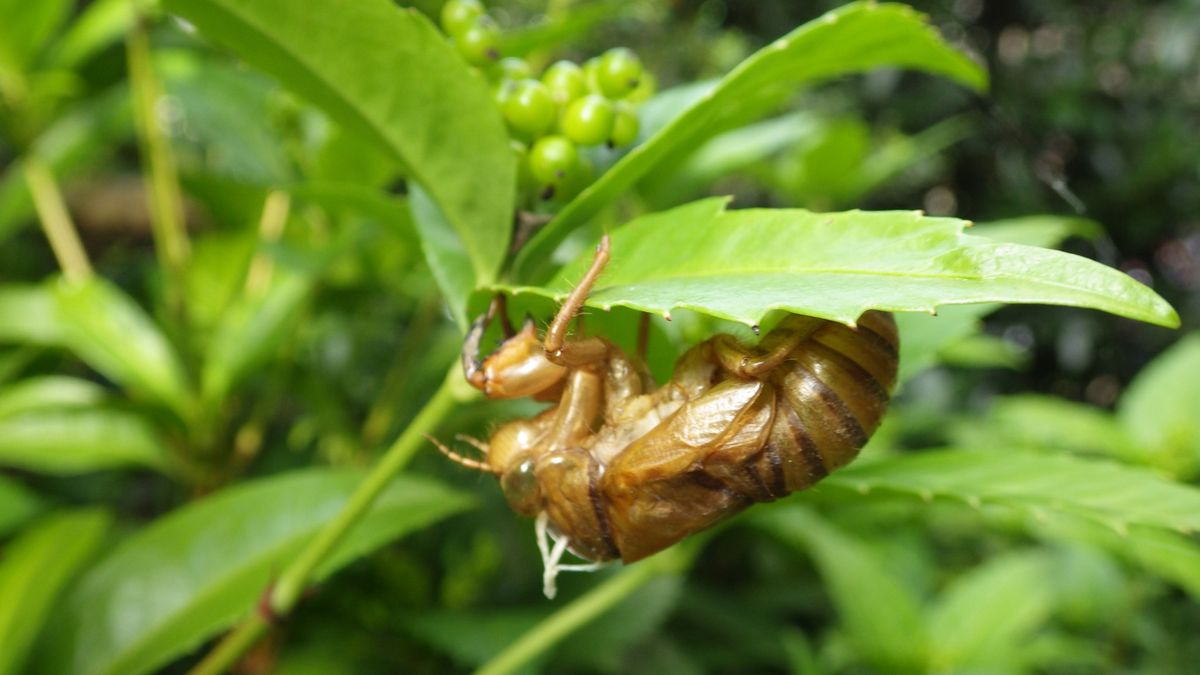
column 474, row 442
column 465, row 461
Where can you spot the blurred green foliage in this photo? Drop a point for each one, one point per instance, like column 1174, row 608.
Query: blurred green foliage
column 1029, row 505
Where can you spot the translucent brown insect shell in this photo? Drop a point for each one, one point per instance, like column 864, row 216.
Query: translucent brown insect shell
column 623, row 469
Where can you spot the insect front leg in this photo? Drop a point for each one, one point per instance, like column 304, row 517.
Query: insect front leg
column 742, row 361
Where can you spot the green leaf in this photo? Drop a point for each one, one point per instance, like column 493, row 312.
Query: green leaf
column 1045, row 231
column 402, row 86
column 230, row 113
column 1161, row 408
column 1102, row 491
column 100, row 24
column 25, row 29
column 445, row 254
column 927, row 340
column 1169, row 555
column 740, row 265
column 562, row 28
column 983, row 351
column 177, row 582
column 602, row 644
column 490, row 631
column 851, row 39
column 35, row 567
column 70, row 440
column 28, row 315
column 48, row 391
column 17, row 505
column 111, row 333
column 882, row 616
column 250, row 332
column 1046, row 422
column 985, row 614
column 731, row 152
column 924, row 338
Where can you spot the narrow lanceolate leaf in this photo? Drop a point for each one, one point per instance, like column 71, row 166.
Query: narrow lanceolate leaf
column 63, row 440
column 23, row 33
column 17, row 505
column 1161, row 409
column 28, row 315
column 112, row 334
column 881, row 614
column 249, row 332
column 402, row 86
column 35, row 568
column 739, row 265
column 851, row 39
column 185, row 577
column 1046, row 422
column 1108, row 493
column 1045, row 231
column 48, row 391
column 983, row 616
column 444, row 253
column 927, row 340
column 1169, row 555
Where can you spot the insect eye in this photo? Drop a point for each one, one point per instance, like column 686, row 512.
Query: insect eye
column 520, row 488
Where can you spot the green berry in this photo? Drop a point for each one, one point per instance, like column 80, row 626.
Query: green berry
column 513, row 68
column 645, row 89
column 502, row 91
column 521, row 155
column 588, row 120
column 625, row 126
column 551, row 159
column 578, row 178
column 480, row 43
column 591, row 74
column 529, row 108
column 565, row 81
column 459, row 15
column 619, row 72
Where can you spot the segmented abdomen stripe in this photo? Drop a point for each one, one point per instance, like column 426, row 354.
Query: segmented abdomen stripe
column 597, row 501
column 833, row 402
column 808, row 448
column 860, row 374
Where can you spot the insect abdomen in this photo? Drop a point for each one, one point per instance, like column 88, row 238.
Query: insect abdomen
column 832, row 396
column 752, row 440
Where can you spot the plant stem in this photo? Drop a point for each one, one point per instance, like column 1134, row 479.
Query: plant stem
column 589, row 606
column 296, row 577
column 56, row 221
column 160, row 173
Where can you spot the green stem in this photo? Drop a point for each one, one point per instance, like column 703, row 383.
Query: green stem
column 56, row 221
column 589, row 606
column 298, row 574
column 160, row 173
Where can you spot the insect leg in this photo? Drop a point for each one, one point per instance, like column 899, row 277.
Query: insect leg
column 578, row 352
column 474, row 442
column 744, row 361
column 465, row 461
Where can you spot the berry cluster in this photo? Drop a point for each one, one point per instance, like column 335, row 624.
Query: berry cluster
column 550, row 118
